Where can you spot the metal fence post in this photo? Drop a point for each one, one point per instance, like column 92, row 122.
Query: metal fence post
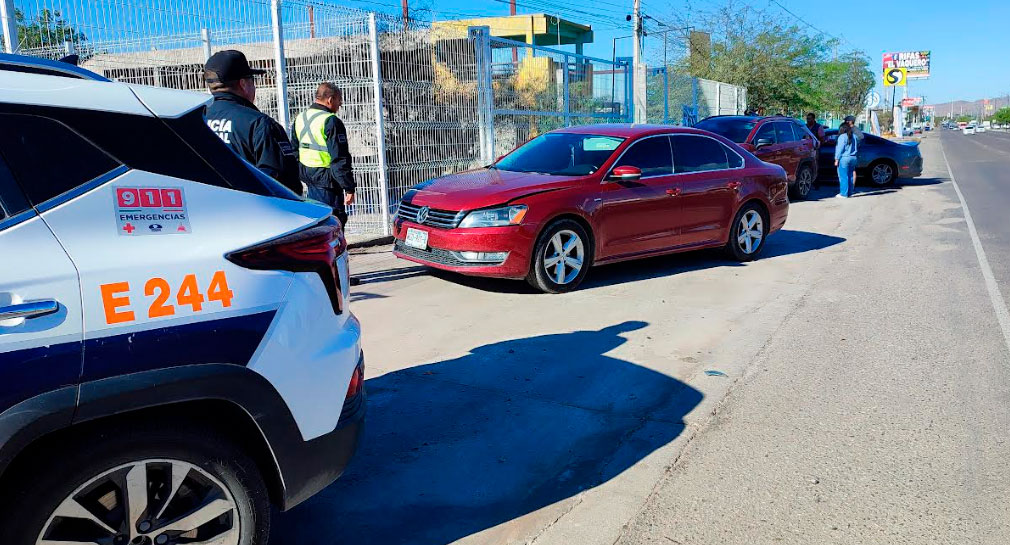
column 481, row 38
column 69, row 48
column 205, row 38
column 566, row 98
column 380, row 126
column 718, row 98
column 694, row 96
column 10, row 26
column 280, row 64
column 666, row 93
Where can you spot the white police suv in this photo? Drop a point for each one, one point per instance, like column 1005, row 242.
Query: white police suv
column 176, row 349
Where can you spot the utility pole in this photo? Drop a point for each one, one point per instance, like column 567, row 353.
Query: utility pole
column 512, row 7
column 406, row 14
column 638, row 68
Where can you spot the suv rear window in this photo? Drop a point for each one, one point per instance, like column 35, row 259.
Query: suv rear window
column 47, row 157
column 12, row 201
column 733, row 128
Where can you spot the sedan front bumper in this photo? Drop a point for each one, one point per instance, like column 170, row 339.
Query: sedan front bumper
column 444, row 246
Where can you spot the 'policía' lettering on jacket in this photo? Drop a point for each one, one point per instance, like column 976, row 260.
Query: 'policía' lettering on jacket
column 222, row 128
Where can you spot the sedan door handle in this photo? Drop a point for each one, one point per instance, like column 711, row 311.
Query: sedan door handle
column 734, row 185
column 31, row 309
column 673, row 192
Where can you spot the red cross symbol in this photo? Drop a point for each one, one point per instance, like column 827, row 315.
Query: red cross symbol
column 129, row 228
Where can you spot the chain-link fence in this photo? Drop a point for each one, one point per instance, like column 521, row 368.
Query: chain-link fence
column 420, row 101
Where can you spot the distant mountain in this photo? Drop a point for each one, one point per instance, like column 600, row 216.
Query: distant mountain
column 966, row 107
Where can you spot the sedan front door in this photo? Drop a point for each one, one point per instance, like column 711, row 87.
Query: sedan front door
column 640, row 216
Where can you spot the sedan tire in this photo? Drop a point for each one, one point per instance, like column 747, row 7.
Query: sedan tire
column 748, row 233
column 882, row 173
column 561, row 257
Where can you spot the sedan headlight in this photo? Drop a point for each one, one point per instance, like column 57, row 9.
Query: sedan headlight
column 495, row 217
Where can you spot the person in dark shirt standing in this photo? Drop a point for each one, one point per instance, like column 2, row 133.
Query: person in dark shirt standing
column 816, row 128
column 323, row 151
column 252, row 134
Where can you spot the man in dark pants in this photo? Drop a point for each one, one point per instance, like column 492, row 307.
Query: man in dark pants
column 252, row 134
column 324, row 155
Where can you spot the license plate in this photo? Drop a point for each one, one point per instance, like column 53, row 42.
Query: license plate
column 417, row 238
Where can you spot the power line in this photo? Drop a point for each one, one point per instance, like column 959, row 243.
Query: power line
column 804, row 21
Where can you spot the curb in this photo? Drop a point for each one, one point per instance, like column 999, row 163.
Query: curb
column 371, row 242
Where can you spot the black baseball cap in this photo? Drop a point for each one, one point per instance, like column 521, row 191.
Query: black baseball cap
column 228, row 66
column 850, row 118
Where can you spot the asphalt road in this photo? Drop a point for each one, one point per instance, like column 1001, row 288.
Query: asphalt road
column 850, row 387
column 981, row 166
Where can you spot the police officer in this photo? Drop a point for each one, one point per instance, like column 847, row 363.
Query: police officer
column 254, row 135
column 323, row 152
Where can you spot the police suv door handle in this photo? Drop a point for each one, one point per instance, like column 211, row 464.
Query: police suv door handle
column 31, row 309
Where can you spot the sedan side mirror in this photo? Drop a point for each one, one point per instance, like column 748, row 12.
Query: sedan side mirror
column 762, row 142
column 626, row 173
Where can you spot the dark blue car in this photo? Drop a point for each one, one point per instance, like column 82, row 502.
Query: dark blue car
column 881, row 161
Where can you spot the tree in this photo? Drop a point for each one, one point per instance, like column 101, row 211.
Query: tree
column 49, row 30
column 783, row 66
column 1002, row 116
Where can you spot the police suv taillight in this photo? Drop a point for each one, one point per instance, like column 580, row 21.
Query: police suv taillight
column 314, row 249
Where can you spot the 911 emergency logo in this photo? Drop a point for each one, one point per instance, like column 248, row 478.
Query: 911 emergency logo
column 151, row 211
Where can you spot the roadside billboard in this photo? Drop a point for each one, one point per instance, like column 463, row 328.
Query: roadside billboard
column 911, row 101
column 915, row 62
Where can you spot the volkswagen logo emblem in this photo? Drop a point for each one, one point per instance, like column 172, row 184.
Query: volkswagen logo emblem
column 422, row 214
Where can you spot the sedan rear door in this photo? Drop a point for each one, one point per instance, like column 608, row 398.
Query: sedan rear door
column 708, row 177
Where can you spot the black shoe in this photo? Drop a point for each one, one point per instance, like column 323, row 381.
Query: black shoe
column 354, row 281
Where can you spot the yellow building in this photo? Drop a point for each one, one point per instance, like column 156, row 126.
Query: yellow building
column 535, row 29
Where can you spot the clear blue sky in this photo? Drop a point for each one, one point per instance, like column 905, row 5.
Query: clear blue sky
column 969, row 40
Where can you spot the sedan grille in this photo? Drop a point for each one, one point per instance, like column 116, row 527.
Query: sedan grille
column 444, row 219
column 434, row 255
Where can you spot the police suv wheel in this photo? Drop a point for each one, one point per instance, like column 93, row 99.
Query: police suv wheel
column 145, row 488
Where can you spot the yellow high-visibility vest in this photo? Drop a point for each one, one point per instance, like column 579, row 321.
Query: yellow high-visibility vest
column 310, row 127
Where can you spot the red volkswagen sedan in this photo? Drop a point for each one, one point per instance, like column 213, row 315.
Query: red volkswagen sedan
column 590, row 195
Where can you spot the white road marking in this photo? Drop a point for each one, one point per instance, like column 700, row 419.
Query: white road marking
column 998, row 304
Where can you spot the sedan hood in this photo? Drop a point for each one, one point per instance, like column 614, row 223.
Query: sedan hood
column 485, row 187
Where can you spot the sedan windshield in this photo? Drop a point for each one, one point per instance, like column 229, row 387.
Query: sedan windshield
column 734, row 128
column 561, row 154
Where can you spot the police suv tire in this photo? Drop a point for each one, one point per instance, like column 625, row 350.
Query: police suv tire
column 56, row 472
column 563, row 230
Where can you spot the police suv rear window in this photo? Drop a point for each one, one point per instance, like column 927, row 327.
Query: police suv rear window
column 47, row 157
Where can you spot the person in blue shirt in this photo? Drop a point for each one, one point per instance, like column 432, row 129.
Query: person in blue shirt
column 845, row 159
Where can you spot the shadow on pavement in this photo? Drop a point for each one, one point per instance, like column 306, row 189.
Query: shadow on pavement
column 784, row 242
column 459, row 446
column 389, row 275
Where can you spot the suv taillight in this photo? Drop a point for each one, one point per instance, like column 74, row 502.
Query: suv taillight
column 354, row 387
column 314, row 249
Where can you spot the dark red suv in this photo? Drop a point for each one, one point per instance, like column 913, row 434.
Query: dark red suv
column 778, row 139
column 590, row 195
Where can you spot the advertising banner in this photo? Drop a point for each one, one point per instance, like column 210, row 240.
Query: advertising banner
column 916, row 63
column 911, row 101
